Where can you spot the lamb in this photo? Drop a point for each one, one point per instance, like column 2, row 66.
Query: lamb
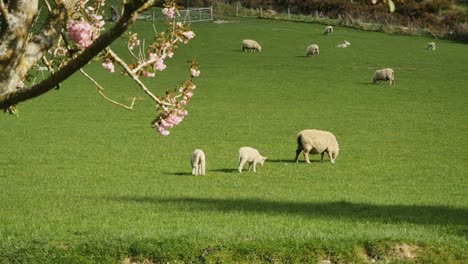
column 198, row 161
column 250, row 155
column 312, row 50
column 328, row 30
column 317, row 141
column 251, row 45
column 431, row 46
column 384, row 75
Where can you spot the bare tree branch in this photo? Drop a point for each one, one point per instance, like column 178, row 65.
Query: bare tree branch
column 100, row 89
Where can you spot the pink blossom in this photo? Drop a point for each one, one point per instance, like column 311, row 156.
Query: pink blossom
column 170, row 54
column 161, row 130
column 80, row 32
column 108, row 65
column 189, row 34
column 168, row 12
column 153, row 56
column 148, row 74
column 159, row 65
column 189, row 94
column 183, row 102
column 195, row 72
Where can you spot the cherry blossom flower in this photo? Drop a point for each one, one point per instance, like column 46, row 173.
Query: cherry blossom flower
column 80, row 32
column 189, row 34
column 159, row 65
column 195, row 72
column 168, row 12
column 108, row 65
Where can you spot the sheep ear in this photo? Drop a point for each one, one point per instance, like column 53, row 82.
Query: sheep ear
column 264, row 158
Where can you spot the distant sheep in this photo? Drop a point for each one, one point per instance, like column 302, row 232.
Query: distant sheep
column 328, row 30
column 431, row 46
column 345, row 44
column 251, row 45
column 250, row 155
column 384, row 75
column 312, row 50
column 198, row 161
column 317, row 141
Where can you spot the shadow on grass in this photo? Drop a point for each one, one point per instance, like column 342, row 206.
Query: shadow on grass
column 280, row 160
column 417, row 214
column 226, row 170
column 179, row 173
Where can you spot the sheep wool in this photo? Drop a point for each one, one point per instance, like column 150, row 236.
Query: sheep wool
column 251, row 45
column 386, row 74
column 250, row 155
column 198, row 161
column 431, row 46
column 316, row 141
column 328, row 30
column 312, row 50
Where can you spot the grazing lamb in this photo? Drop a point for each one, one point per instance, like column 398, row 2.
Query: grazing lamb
column 328, row 30
column 250, row 155
column 431, row 46
column 312, row 50
column 384, row 75
column 317, row 141
column 345, row 44
column 251, row 45
column 198, row 161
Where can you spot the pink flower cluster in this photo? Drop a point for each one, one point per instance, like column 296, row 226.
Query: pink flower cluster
column 108, row 65
column 171, row 120
column 194, row 72
column 80, row 32
column 169, row 12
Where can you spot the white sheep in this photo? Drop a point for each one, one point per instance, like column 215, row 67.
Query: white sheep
column 312, row 50
column 250, row 155
column 345, row 44
column 317, row 141
column 386, row 74
column 431, row 46
column 198, row 161
column 251, row 45
column 328, row 30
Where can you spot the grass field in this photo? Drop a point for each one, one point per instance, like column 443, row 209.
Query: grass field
column 83, row 181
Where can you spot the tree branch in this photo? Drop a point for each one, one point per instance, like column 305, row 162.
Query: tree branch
column 131, row 10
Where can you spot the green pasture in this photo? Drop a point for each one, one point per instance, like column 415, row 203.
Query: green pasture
column 83, row 181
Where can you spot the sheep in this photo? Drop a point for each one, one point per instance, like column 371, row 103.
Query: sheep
column 328, row 30
column 384, row 75
column 198, row 161
column 251, row 45
column 317, row 141
column 250, row 155
column 312, row 50
column 345, row 44
column 431, row 46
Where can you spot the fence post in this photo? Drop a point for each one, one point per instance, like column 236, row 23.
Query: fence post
column 289, row 13
column 261, row 12
column 237, row 9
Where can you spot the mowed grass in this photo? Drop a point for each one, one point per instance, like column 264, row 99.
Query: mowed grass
column 85, row 181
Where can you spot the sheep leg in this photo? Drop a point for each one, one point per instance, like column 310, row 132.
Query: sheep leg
column 241, row 165
column 306, row 156
column 298, row 151
column 254, row 164
column 202, row 169
column 195, row 170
